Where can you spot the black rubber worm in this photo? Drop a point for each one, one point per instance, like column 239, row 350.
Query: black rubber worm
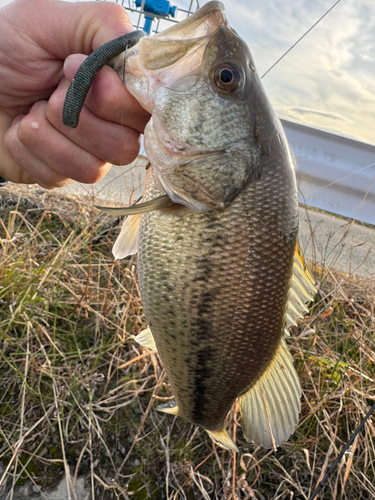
column 88, row 70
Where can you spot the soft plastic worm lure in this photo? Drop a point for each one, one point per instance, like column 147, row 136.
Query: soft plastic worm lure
column 88, row 70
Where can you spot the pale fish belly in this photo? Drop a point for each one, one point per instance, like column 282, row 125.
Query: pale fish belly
column 214, row 287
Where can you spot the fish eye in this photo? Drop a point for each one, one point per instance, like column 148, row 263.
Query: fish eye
column 227, row 77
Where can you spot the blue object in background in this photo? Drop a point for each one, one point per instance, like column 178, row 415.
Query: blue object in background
column 152, row 8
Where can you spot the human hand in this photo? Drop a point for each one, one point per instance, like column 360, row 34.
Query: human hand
column 36, row 36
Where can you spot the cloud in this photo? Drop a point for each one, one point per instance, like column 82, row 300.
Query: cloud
column 328, row 80
column 304, row 111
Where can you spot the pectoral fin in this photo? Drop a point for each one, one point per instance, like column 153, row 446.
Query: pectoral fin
column 162, row 202
column 146, row 339
column 127, row 241
column 270, row 408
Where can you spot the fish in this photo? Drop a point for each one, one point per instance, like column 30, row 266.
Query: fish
column 221, row 274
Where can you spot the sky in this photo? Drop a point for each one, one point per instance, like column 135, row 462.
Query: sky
column 327, row 80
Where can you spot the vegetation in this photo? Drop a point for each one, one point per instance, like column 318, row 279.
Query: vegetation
column 77, row 394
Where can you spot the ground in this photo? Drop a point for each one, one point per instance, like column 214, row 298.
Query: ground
column 78, row 396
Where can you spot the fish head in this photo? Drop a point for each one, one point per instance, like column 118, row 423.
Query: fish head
column 173, row 59
column 198, row 81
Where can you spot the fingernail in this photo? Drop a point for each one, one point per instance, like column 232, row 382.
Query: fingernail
column 38, row 105
column 73, row 58
column 17, row 119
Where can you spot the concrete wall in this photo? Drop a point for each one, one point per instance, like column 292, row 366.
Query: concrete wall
column 334, row 173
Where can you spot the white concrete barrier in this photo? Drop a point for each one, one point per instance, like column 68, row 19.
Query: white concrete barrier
column 334, row 173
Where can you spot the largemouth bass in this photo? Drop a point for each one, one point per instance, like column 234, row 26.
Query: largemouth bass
column 220, row 273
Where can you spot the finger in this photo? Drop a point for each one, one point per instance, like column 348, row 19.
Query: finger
column 104, row 139
column 9, row 169
column 38, row 143
column 108, row 98
column 22, row 167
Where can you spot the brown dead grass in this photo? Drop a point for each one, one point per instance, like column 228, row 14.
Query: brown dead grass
column 78, row 396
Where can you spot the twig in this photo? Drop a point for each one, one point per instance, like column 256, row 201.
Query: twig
column 322, row 483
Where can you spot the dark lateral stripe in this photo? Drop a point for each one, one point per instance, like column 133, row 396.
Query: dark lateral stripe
column 88, row 70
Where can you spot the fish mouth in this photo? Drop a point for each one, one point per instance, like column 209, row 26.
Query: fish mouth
column 172, row 58
column 200, row 24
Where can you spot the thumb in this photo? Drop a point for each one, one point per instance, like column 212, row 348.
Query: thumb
column 71, row 65
column 64, row 28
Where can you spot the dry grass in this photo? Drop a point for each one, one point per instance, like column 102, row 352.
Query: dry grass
column 77, row 394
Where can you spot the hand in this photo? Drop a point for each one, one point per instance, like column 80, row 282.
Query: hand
column 36, row 37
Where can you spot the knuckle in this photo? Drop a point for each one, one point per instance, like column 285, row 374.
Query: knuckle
column 128, row 149
column 94, row 172
column 24, row 130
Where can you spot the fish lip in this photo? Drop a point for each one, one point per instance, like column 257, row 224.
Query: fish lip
column 174, row 147
column 179, row 30
column 169, row 146
column 188, row 153
column 195, row 29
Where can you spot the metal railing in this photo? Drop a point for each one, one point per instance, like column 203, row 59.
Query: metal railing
column 334, row 173
column 137, row 14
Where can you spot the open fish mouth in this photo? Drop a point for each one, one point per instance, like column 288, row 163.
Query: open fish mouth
column 204, row 22
column 172, row 58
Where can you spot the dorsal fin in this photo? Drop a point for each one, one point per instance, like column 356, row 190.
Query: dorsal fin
column 270, row 408
column 298, row 255
column 301, row 289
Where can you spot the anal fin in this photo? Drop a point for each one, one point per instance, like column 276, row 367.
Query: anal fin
column 270, row 408
column 146, row 339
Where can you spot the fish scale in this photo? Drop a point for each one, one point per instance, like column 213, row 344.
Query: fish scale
column 218, row 325
column 212, row 125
